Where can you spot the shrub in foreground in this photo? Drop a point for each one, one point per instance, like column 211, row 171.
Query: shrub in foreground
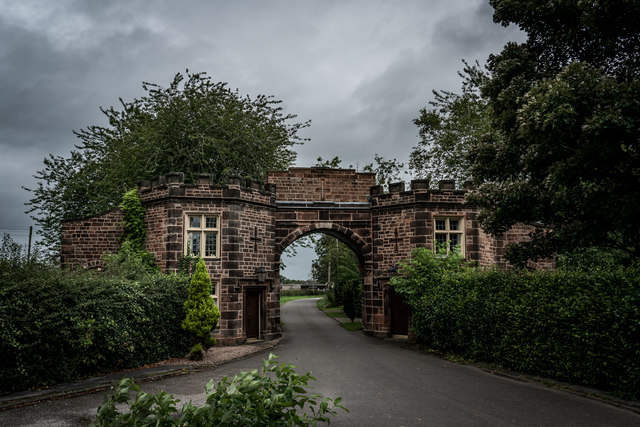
column 275, row 395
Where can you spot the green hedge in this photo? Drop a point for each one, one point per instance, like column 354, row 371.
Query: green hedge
column 579, row 327
column 56, row 326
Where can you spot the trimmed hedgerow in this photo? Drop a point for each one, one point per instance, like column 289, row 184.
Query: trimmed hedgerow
column 575, row 326
column 57, row 326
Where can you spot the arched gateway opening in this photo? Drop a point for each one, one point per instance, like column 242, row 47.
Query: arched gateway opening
column 343, row 261
column 241, row 229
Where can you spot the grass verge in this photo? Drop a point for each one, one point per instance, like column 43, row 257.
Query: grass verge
column 352, row 326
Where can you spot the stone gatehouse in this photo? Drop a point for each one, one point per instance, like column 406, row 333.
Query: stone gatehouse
column 242, row 228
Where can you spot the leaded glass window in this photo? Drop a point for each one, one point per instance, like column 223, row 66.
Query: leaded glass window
column 449, row 235
column 202, row 237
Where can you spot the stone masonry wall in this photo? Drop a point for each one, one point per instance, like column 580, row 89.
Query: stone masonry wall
column 247, row 234
column 257, row 222
column 84, row 241
column 307, row 184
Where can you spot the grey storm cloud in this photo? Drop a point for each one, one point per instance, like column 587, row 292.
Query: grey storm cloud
column 360, row 70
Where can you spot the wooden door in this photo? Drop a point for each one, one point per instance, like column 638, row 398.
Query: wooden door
column 399, row 314
column 252, row 314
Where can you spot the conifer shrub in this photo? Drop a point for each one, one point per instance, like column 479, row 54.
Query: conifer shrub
column 201, row 312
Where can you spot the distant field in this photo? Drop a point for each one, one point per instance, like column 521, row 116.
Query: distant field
column 286, row 298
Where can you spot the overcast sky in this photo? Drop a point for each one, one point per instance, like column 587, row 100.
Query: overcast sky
column 359, row 70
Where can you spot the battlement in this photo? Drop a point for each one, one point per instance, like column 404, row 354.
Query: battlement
column 420, row 191
column 172, row 185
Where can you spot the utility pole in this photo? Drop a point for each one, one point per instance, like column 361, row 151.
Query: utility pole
column 29, row 247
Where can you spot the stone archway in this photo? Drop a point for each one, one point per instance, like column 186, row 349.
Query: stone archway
column 254, row 222
column 363, row 252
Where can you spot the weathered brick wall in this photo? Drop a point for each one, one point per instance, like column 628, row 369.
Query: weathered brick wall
column 84, row 241
column 306, row 184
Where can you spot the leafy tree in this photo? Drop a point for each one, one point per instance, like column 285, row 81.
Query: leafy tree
column 450, row 128
column 202, row 313
column 336, row 264
column 560, row 149
column 193, row 126
column 387, row 171
column 10, row 250
column 333, row 163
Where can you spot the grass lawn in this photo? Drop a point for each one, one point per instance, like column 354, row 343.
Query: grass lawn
column 337, row 312
column 287, row 298
column 352, row 326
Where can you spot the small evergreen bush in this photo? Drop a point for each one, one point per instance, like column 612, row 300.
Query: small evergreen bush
column 201, row 312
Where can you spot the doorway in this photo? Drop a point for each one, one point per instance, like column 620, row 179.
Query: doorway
column 252, row 314
column 400, row 314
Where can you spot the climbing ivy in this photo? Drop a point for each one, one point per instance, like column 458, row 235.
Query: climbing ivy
column 135, row 230
column 132, row 256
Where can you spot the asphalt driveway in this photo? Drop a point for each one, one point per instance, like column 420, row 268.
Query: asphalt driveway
column 380, row 382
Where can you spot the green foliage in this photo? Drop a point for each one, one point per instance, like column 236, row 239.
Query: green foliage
column 562, row 151
column 352, row 299
column 549, row 131
column 201, row 312
column 352, row 326
column 135, row 231
column 193, row 126
column 275, row 395
column 336, row 263
column 575, row 326
column 196, row 352
column 11, row 251
column 387, row 171
column 130, row 262
column 332, row 164
column 58, row 326
column 187, row 264
column 301, row 292
column 449, row 129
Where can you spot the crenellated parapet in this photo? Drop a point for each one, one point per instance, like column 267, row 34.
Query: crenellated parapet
column 172, row 186
column 419, row 191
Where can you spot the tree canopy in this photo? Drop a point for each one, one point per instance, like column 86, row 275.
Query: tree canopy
column 194, row 125
column 552, row 138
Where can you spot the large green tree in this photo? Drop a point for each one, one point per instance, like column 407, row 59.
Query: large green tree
column 336, row 264
column 194, row 125
column 552, row 138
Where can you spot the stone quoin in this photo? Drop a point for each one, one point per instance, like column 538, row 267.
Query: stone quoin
column 242, row 228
